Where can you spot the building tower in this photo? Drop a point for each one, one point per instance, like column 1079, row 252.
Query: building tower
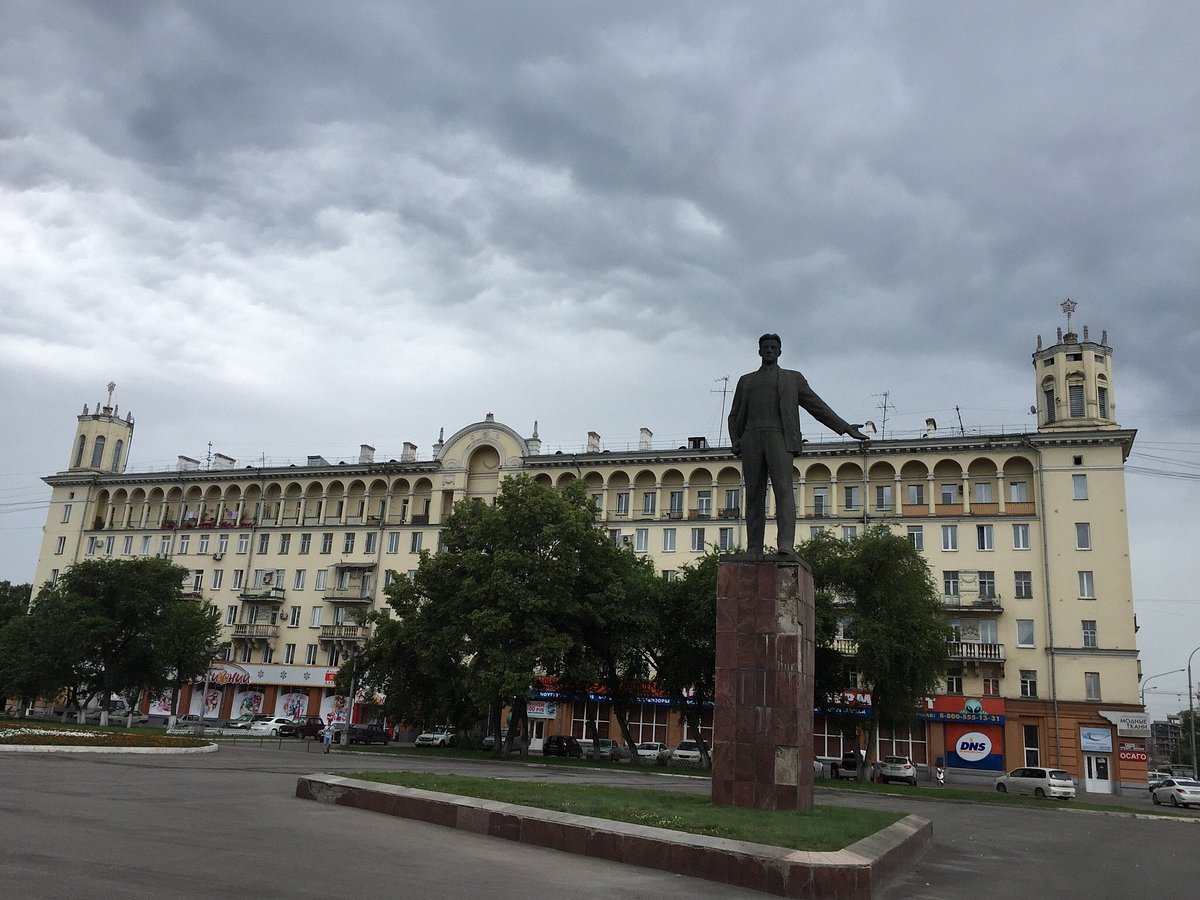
column 1074, row 381
column 102, row 439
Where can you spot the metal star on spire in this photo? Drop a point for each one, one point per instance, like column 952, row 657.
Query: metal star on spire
column 1068, row 307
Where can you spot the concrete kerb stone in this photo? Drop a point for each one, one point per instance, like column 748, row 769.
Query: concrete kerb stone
column 860, row 870
column 49, row 748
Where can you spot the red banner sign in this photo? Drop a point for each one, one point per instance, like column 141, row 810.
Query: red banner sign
column 1134, row 756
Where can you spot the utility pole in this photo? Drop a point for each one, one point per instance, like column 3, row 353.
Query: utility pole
column 723, row 392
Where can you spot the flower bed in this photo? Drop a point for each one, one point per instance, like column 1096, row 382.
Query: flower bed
column 22, row 734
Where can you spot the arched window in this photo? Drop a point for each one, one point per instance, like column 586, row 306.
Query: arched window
column 1048, row 398
column 79, row 454
column 116, row 465
column 97, row 452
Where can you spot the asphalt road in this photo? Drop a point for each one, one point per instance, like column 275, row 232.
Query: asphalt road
column 228, row 823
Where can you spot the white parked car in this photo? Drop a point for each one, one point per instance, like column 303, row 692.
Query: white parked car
column 438, row 736
column 1040, row 782
column 687, row 753
column 897, row 768
column 651, row 750
column 1178, row 791
column 276, row 726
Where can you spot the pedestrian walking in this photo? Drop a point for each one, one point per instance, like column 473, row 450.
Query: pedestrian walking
column 941, row 776
column 327, row 737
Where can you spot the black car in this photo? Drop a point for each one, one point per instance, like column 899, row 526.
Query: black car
column 309, row 726
column 561, row 745
column 361, row 734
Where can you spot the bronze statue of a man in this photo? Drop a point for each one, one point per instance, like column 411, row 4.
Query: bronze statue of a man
column 764, row 426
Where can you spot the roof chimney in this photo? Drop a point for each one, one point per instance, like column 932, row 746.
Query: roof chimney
column 593, row 444
column 366, row 454
column 409, row 453
column 646, row 439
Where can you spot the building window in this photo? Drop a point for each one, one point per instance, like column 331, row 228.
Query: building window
column 146, row 545
column 66, row 513
column 915, row 494
column 97, row 452
column 414, row 542
column 298, row 582
column 983, row 492
column 185, row 541
column 332, row 658
column 949, row 493
column 820, row 501
column 949, row 537
column 327, row 542
column 319, row 584
column 987, row 585
column 916, row 536
column 649, row 503
column 1102, row 401
column 883, row 497
column 305, row 543
column 676, row 504
column 294, row 617
column 1018, row 492
column 393, row 543
column 348, row 542
column 623, row 504
column 127, row 546
column 239, row 576
column 598, row 502
column 950, row 583
column 697, row 540
column 1023, row 585
column 852, row 495
column 1087, row 590
column 641, row 540
column 704, row 503
column 289, row 654
column 230, row 615
column 222, row 543
column 369, row 542
column 983, row 537
column 1075, row 400
column 725, row 538
column 668, row 540
column 264, row 542
column 1091, row 686
column 1029, row 683
column 1079, row 487
column 247, row 649
column 1025, row 633
column 217, row 576
column 285, row 543
column 1021, row 537
column 954, row 681
column 1088, row 627
column 314, row 620
column 1083, row 536
column 202, row 548
column 670, row 574
column 1048, row 396
column 733, row 502
column 60, row 546
column 243, row 543
column 991, row 686
column 849, row 532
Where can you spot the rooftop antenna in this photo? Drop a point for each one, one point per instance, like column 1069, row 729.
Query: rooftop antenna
column 724, row 379
column 208, row 457
column 962, row 431
column 885, row 406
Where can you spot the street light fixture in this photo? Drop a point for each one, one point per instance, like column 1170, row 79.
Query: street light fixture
column 1146, row 681
column 1191, row 710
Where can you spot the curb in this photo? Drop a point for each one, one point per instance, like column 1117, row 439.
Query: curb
column 51, row 748
column 859, row 871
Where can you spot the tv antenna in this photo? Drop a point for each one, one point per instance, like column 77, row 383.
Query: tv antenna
column 724, row 379
column 962, row 431
column 884, row 406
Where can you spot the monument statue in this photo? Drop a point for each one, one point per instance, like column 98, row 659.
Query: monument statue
column 764, row 426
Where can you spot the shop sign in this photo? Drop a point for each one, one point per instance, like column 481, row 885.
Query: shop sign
column 1095, row 740
column 979, row 747
column 1133, row 756
column 978, row 710
column 1129, row 724
column 541, row 709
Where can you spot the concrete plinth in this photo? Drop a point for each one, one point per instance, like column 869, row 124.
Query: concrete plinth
column 762, row 732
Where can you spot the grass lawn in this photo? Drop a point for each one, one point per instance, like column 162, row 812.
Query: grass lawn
column 31, row 733
column 825, row 828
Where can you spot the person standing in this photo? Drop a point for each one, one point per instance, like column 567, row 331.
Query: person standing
column 764, row 428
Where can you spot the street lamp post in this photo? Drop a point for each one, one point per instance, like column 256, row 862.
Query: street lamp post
column 1191, row 710
column 1146, row 681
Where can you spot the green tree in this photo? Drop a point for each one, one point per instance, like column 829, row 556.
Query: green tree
column 124, row 612
column 684, row 646
column 897, row 619
column 37, row 651
column 14, row 600
column 185, row 640
column 500, row 601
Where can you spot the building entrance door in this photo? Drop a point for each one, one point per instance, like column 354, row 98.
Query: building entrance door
column 1098, row 779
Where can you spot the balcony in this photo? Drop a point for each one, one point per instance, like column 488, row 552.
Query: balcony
column 246, row 632
column 975, row 653
column 354, row 634
column 703, row 513
column 264, row 594
column 731, row 512
column 981, row 605
column 420, row 519
column 674, row 515
column 846, row 646
column 353, row 594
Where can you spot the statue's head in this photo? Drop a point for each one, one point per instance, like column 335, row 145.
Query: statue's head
column 769, row 346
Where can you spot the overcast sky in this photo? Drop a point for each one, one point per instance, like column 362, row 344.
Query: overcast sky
column 293, row 228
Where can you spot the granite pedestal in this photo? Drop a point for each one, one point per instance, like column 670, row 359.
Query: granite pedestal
column 762, row 732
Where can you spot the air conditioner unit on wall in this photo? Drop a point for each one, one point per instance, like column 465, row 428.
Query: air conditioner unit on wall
column 218, row 556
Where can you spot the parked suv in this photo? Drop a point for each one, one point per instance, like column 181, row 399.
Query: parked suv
column 309, row 726
column 561, row 745
column 897, row 768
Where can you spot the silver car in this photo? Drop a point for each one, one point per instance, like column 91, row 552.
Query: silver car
column 1038, row 782
column 1178, row 791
